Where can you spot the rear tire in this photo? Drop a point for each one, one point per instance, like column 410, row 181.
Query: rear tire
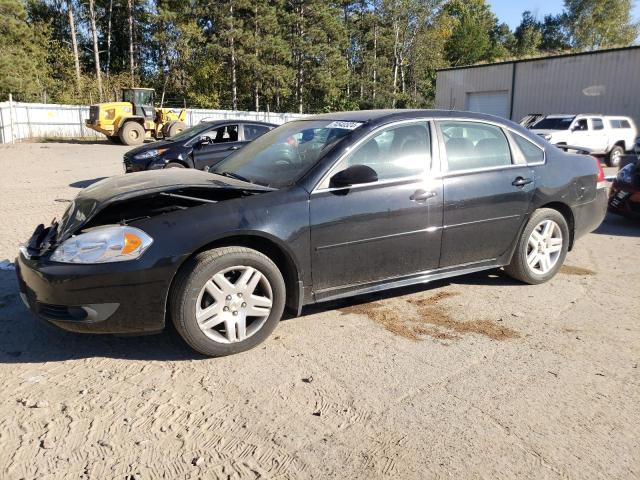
column 212, row 286
column 132, row 133
column 175, row 128
column 615, row 155
column 541, row 249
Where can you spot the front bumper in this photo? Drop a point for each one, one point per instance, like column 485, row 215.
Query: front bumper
column 105, row 298
column 624, row 200
column 131, row 164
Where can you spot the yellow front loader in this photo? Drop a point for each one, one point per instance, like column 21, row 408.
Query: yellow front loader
column 135, row 118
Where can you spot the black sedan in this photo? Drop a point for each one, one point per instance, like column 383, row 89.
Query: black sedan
column 327, row 207
column 200, row 146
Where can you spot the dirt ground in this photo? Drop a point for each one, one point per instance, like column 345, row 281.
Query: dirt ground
column 476, row 377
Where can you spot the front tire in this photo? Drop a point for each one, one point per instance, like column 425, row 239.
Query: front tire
column 132, row 133
column 541, row 249
column 227, row 300
column 174, row 165
column 615, row 155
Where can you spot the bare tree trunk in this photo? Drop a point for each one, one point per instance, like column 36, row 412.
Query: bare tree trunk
column 234, row 82
column 300, row 73
column 96, row 52
column 256, row 96
column 131, row 42
column 109, row 39
column 74, row 43
column 375, row 60
column 396, row 29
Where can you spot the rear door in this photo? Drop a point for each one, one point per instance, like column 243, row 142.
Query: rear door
column 487, row 192
column 252, row 131
column 223, row 142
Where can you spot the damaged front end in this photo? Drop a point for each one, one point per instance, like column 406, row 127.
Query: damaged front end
column 118, row 201
column 78, row 272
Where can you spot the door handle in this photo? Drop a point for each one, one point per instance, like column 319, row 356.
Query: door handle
column 420, row 195
column 235, row 147
column 521, row 182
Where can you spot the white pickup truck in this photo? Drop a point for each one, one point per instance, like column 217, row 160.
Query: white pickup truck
column 603, row 135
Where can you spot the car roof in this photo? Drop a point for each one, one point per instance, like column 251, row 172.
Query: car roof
column 393, row 114
column 232, row 120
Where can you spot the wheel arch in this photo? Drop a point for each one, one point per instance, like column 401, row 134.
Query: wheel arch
column 269, row 247
column 567, row 213
column 123, row 120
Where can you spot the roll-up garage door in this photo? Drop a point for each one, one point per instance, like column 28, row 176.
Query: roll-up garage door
column 493, row 103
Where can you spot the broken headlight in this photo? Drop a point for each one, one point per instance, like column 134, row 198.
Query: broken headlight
column 151, row 153
column 111, row 243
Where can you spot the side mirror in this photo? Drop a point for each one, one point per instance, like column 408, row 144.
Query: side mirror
column 354, row 175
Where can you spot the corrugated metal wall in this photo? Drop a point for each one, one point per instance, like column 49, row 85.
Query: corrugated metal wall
column 20, row 121
column 452, row 86
column 603, row 82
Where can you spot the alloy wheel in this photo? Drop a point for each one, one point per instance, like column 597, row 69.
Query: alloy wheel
column 234, row 304
column 544, row 247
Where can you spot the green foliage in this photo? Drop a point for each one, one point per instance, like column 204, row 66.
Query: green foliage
column 527, row 37
column 279, row 55
column 23, row 53
column 600, row 23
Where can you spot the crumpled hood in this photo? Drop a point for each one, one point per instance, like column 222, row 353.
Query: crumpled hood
column 96, row 197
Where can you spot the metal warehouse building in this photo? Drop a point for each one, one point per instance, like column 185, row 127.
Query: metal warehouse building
column 604, row 81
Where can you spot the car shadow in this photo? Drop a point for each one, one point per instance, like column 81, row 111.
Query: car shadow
column 86, row 183
column 618, row 226
column 26, row 339
column 495, row 277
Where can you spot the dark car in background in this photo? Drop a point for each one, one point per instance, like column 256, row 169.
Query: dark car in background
column 317, row 209
column 624, row 194
column 200, row 146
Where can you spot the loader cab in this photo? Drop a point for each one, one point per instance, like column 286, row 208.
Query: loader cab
column 142, row 100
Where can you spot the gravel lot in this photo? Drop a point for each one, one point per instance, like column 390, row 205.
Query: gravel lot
column 477, row 377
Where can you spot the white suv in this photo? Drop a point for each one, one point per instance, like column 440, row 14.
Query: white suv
column 603, row 135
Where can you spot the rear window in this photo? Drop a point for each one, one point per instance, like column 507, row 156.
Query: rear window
column 531, row 152
column 619, row 123
column 471, row 145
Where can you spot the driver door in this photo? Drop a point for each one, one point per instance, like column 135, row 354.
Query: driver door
column 380, row 230
column 224, row 141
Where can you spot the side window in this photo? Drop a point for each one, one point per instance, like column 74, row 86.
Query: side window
column 625, row 124
column 228, row 133
column 471, row 145
column 615, row 123
column 531, row 152
column 251, row 132
column 397, row 152
column 597, row 124
column 581, row 125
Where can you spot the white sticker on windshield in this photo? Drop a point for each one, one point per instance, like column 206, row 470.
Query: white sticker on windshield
column 344, row 125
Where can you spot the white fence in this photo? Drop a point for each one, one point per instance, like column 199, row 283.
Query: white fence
column 20, row 121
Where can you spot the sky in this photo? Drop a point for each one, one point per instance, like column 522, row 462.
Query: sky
column 510, row 11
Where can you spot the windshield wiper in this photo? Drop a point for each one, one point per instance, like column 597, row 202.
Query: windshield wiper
column 235, row 176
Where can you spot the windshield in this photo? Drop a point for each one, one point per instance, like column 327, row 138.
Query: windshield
column 554, row 123
column 191, row 132
column 280, row 157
